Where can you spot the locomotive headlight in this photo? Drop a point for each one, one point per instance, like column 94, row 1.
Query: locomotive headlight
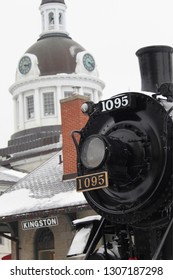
column 93, row 152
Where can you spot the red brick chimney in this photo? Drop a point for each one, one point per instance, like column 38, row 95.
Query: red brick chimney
column 72, row 119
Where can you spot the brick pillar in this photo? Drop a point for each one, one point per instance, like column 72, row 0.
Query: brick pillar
column 72, row 119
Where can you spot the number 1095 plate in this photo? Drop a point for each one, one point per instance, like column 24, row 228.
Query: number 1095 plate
column 92, row 182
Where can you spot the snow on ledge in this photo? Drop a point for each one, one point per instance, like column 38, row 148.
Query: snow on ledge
column 87, row 219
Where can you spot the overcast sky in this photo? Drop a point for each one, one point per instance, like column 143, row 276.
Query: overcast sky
column 112, row 30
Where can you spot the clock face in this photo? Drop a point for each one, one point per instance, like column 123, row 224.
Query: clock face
column 88, row 62
column 25, row 65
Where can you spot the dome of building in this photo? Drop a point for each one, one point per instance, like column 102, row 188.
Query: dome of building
column 52, row 1
column 39, row 87
column 56, row 53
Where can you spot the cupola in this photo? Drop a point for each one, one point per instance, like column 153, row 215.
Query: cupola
column 53, row 16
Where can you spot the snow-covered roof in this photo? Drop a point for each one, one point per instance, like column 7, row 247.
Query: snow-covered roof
column 10, row 175
column 42, row 189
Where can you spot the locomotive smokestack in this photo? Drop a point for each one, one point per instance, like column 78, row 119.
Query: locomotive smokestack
column 156, row 66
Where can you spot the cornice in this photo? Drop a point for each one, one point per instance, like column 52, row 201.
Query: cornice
column 60, row 77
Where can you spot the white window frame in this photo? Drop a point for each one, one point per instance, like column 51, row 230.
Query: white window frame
column 28, row 117
column 51, row 25
column 41, row 94
column 89, row 95
column 68, row 93
column 44, row 105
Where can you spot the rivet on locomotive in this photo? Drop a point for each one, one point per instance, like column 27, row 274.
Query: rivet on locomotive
column 124, row 162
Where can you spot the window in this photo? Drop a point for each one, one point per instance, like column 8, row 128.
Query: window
column 68, row 94
column 44, row 244
column 30, row 106
column 51, row 18
column 88, row 95
column 60, row 18
column 48, row 101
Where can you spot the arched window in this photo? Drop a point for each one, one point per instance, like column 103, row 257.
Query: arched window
column 60, row 18
column 51, row 18
column 44, row 244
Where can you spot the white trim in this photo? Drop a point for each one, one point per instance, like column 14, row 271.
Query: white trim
column 60, row 80
column 56, row 83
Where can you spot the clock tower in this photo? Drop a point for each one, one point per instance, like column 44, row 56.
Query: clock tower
column 53, row 68
column 53, row 14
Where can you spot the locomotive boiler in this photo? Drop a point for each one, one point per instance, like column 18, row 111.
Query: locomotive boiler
column 124, row 162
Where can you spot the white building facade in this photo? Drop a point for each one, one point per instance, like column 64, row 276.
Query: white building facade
column 37, row 100
column 53, row 68
column 47, row 74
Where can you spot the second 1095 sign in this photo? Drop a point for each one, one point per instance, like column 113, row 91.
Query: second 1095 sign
column 92, row 182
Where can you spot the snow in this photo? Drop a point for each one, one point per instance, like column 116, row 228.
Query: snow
column 82, row 235
column 79, row 242
column 14, row 172
column 87, row 219
column 21, row 201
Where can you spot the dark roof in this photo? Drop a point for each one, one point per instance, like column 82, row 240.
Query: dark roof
column 41, row 190
column 30, row 140
column 52, row 1
column 56, row 54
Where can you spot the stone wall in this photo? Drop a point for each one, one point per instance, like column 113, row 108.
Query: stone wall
column 63, row 234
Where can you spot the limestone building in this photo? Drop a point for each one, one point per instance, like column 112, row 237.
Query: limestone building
column 53, row 68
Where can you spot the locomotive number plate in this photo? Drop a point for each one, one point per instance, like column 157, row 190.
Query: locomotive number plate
column 116, row 103
column 92, row 182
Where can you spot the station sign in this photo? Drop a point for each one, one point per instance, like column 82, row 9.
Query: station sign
column 39, row 223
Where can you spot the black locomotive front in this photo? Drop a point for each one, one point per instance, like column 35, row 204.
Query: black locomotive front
column 125, row 150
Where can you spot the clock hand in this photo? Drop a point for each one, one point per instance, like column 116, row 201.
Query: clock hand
column 92, row 64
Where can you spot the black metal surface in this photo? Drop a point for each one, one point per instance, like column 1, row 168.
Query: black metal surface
column 96, row 238
column 138, row 131
column 156, row 66
column 140, row 167
column 160, row 246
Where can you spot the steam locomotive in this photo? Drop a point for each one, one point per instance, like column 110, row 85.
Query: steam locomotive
column 124, row 162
